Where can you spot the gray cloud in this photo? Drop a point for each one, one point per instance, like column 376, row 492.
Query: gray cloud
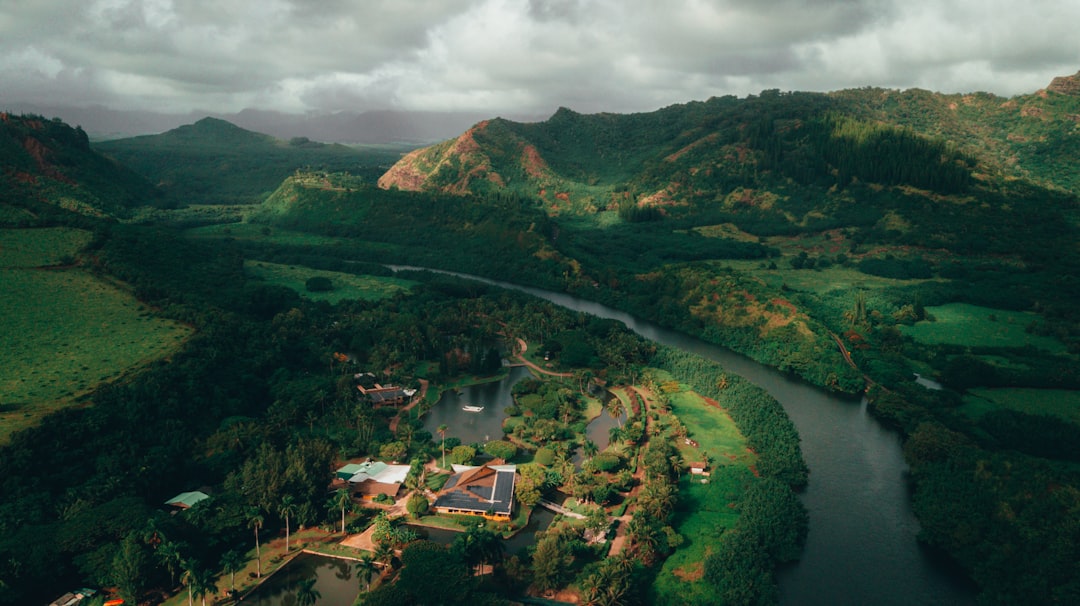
column 515, row 56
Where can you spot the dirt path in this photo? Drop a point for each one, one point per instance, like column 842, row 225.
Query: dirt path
column 520, row 355
column 416, row 399
column 619, row 542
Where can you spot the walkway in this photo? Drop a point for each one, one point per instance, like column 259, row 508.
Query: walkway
column 559, row 509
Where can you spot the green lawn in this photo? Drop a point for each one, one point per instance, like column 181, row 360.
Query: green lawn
column 965, row 324
column 705, row 508
column 711, row 428
column 346, row 286
column 1056, row 402
column 703, row 513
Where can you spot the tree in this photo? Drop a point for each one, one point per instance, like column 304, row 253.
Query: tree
column 393, row 451
column 129, row 569
column 341, row 500
column 442, row 434
column 417, row 505
column 501, row 449
column 306, row 594
column 169, row 552
column 616, row 409
column 286, row 509
column 365, row 566
column 199, row 581
column 232, row 562
column 255, row 521
column 463, row 455
column 318, row 284
column 589, row 449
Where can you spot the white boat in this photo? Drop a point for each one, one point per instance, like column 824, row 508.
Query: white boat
column 472, row 408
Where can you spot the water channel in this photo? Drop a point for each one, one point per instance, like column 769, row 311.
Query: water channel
column 861, row 547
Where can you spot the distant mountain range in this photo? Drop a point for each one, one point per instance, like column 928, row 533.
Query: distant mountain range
column 379, row 126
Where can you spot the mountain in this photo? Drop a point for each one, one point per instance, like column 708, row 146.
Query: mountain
column 350, row 127
column 1031, row 136
column 216, row 162
column 890, row 167
column 49, row 162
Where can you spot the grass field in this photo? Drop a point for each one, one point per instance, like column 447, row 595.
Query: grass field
column 40, row 247
column 964, row 324
column 65, row 331
column 817, row 281
column 346, row 286
column 262, row 233
column 704, row 509
column 1060, row 403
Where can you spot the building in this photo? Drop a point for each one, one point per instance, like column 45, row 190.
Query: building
column 487, row 490
column 373, row 478
column 389, row 395
column 185, row 500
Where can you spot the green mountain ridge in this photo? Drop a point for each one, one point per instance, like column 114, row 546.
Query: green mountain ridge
column 216, row 162
column 47, row 162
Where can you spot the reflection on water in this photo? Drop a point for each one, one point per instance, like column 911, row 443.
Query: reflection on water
column 337, row 581
column 481, row 426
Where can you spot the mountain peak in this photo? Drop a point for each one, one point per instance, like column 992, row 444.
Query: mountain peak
column 216, row 129
column 1066, row 85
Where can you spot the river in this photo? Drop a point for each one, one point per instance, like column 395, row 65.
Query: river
column 861, row 547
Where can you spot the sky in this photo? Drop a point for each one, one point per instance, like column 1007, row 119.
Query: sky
column 515, row 57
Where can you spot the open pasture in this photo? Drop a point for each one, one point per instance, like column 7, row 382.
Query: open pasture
column 346, row 286
column 975, row 326
column 65, row 332
column 1061, row 403
column 40, row 247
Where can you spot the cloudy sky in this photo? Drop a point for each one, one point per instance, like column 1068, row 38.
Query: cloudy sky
column 515, row 57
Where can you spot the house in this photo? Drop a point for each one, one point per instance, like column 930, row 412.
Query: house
column 349, row 470
column 73, row 598
column 375, row 477
column 390, row 395
column 487, row 490
column 699, row 468
column 185, row 500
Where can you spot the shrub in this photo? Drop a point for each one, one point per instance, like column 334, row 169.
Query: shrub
column 319, row 284
column 544, row 456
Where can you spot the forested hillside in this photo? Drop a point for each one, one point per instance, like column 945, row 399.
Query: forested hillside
column 48, row 162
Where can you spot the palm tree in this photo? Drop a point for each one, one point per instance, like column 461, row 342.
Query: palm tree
column 616, row 408
column 615, row 434
column 306, row 594
column 255, row 520
column 406, row 431
column 384, row 553
column 590, row 449
column 286, row 509
column 169, row 553
column 442, row 433
column 198, row 580
column 341, row 500
column 232, row 562
column 365, row 566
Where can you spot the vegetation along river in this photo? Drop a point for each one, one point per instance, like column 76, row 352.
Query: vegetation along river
column 861, row 547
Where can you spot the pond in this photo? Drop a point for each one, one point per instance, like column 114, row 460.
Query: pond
column 480, row 426
column 337, row 581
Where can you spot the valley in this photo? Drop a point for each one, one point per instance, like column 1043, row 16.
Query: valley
column 214, row 316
